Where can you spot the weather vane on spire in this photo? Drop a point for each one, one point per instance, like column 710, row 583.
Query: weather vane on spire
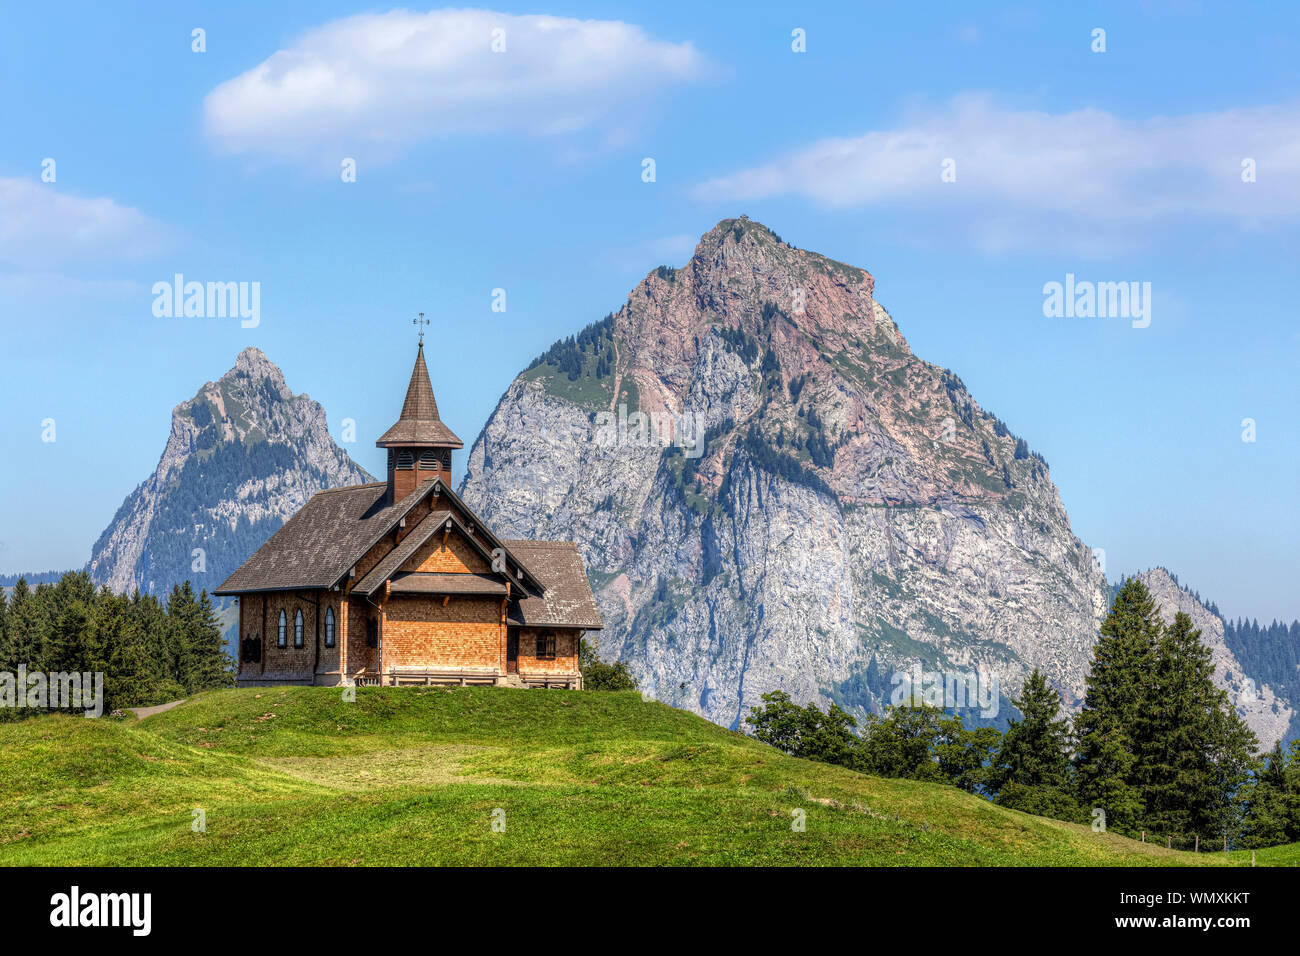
column 420, row 322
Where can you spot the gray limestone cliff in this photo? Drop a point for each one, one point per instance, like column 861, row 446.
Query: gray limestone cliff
column 771, row 491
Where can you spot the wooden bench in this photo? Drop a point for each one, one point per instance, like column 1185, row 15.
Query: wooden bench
column 400, row 677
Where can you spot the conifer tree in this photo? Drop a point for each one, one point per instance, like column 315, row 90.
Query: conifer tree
column 1194, row 751
column 23, row 629
column 4, row 622
column 1267, row 820
column 1109, row 726
column 205, row 662
column 68, row 647
column 1035, row 750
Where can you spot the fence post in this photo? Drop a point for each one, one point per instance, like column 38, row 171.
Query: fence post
column 1198, row 843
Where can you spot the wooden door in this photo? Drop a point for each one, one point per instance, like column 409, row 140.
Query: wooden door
column 512, row 651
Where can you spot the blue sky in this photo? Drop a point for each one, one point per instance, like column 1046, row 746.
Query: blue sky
column 523, row 170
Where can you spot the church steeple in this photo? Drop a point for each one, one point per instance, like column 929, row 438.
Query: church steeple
column 419, row 444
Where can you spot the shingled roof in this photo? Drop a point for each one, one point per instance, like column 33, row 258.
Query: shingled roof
column 441, row 582
column 321, row 543
column 568, row 601
column 419, row 423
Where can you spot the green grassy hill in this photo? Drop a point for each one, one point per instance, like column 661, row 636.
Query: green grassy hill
column 410, row 776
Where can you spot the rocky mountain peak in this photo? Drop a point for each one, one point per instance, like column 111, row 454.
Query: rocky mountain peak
column 253, row 365
column 849, row 508
column 241, row 457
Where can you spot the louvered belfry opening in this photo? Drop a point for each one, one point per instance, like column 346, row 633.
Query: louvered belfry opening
column 419, row 444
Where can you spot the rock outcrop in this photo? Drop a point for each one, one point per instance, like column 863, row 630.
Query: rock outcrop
column 243, row 455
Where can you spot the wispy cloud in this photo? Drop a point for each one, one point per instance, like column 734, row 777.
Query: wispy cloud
column 1025, row 176
column 41, row 226
column 46, row 286
column 386, row 81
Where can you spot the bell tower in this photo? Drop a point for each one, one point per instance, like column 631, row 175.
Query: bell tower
column 419, row 444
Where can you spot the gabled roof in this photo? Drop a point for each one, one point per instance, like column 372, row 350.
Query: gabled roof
column 519, row 570
column 335, row 529
column 567, row 600
column 322, row 542
column 389, row 564
column 419, row 423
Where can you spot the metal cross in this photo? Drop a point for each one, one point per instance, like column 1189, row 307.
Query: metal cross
column 419, row 323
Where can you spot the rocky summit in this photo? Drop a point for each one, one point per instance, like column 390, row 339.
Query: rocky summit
column 772, row 492
column 243, row 455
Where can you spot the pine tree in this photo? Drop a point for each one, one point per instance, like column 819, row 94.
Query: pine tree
column 1268, row 821
column 1109, row 727
column 24, row 629
column 205, row 663
column 129, row 679
column 1195, row 752
column 4, row 626
column 68, row 649
column 1035, row 749
column 1233, row 746
column 1175, row 770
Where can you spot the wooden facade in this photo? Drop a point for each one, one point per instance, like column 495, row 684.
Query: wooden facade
column 398, row 583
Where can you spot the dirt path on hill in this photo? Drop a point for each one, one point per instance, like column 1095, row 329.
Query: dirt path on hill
column 143, row 712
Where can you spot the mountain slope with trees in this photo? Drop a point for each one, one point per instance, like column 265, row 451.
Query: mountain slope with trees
column 244, row 454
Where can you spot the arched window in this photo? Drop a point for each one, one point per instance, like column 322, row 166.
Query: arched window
column 430, row 460
column 281, row 632
column 405, row 460
column 329, row 627
column 297, row 628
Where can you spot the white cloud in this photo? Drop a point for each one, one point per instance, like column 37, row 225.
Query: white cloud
column 385, row 81
column 40, row 226
column 1023, row 176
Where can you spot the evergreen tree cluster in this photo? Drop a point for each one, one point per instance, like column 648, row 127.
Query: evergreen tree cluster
column 739, row 342
column 1157, row 748
column 148, row 651
column 769, row 459
column 1270, row 654
column 571, row 355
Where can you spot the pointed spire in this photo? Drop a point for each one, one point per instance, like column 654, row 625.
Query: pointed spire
column 420, row 405
column 419, row 423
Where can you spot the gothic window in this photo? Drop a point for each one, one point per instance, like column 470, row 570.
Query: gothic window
column 329, row 627
column 546, row 647
column 281, row 639
column 297, row 629
column 429, row 460
column 405, row 460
